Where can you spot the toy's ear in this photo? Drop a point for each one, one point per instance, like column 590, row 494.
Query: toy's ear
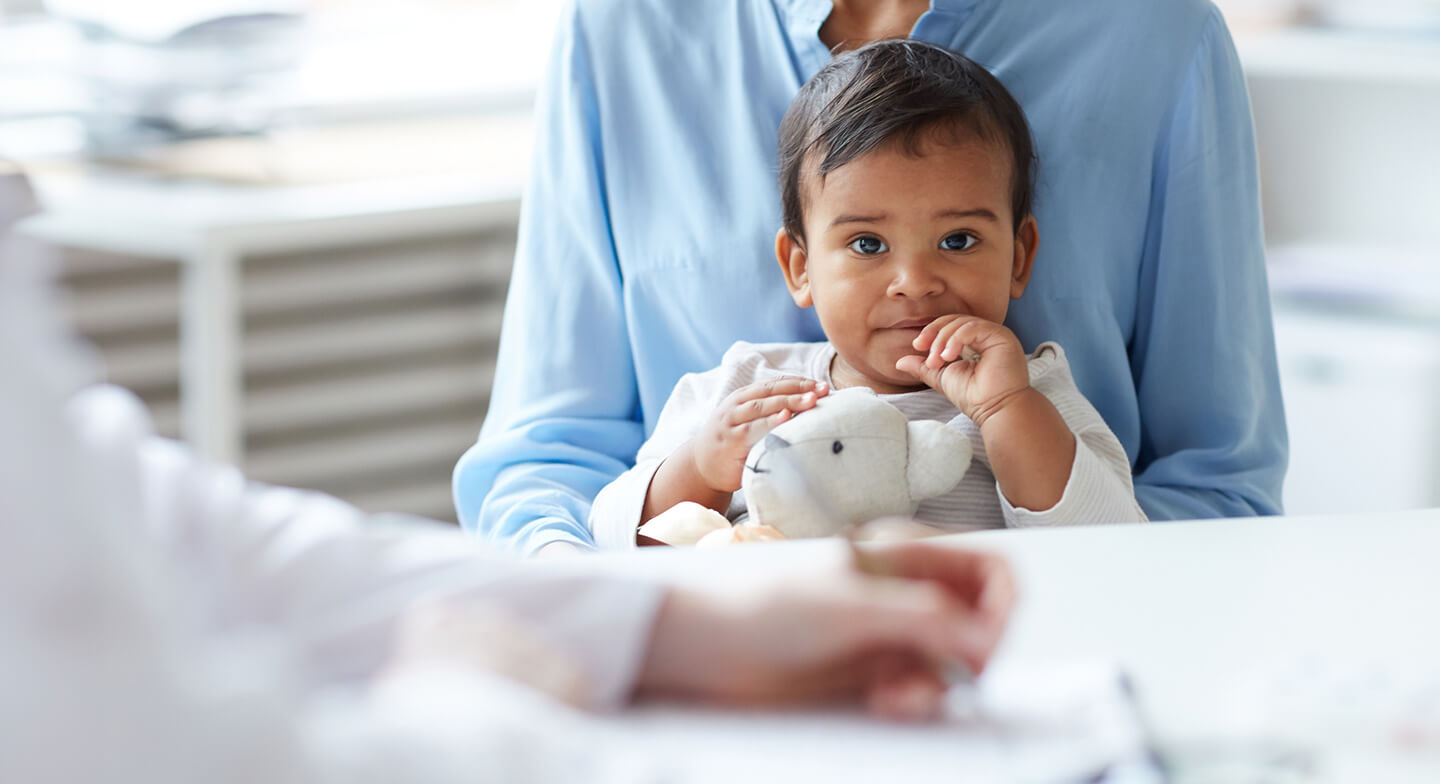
column 939, row 457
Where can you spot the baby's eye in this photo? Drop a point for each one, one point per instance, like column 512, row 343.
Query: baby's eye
column 958, row 241
column 868, row 246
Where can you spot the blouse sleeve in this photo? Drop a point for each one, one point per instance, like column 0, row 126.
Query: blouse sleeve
column 1203, row 353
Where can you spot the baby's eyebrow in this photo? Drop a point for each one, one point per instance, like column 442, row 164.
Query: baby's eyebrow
column 978, row 212
column 858, row 219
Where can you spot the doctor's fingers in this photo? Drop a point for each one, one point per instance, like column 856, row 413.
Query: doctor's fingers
column 905, row 687
column 923, row 618
column 983, row 581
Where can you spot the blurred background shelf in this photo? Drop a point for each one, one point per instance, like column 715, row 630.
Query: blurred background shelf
column 357, row 330
column 1341, row 56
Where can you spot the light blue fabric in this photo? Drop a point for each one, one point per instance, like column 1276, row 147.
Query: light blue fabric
column 646, row 240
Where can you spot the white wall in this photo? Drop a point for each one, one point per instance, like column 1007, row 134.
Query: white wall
column 1346, row 125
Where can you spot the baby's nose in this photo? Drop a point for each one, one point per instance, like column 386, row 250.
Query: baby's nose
column 915, row 277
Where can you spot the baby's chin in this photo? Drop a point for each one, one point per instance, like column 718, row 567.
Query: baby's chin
column 876, row 369
column 904, row 381
column 887, row 379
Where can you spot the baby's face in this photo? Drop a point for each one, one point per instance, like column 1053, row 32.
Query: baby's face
column 894, row 241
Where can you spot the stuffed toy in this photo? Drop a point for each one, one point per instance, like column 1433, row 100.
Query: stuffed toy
column 857, row 458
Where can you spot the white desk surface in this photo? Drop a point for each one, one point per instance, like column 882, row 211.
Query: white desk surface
column 1230, row 628
column 1194, row 609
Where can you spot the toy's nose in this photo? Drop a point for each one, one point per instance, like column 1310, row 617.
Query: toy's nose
column 773, row 442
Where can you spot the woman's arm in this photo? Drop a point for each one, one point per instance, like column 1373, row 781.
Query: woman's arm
column 1203, row 333
column 563, row 417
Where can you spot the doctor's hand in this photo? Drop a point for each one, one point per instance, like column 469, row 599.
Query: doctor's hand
column 831, row 631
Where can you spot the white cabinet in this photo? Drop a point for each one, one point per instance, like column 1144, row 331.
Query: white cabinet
column 1350, row 175
column 1362, row 404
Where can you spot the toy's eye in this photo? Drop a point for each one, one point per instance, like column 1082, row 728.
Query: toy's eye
column 836, row 447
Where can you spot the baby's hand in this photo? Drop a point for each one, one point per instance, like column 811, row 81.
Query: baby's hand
column 978, row 364
column 743, row 418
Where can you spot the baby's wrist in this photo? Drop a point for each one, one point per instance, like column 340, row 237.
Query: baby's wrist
column 1014, row 404
column 695, row 463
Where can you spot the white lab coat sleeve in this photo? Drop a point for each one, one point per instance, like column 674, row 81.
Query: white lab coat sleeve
column 309, row 567
column 164, row 621
column 271, row 615
column 161, row 620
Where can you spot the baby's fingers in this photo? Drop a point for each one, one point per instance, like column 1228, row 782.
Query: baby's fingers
column 947, row 345
column 754, row 430
column 966, row 342
column 768, row 407
column 926, row 338
column 788, row 385
column 960, row 344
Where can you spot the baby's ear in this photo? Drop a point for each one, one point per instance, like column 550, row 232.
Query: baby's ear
column 790, row 252
column 1027, row 241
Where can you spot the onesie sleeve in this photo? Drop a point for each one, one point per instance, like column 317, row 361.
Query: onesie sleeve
column 616, row 512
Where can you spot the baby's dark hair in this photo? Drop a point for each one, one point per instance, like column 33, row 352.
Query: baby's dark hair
column 897, row 89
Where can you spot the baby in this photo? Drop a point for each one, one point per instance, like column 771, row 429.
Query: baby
column 906, row 174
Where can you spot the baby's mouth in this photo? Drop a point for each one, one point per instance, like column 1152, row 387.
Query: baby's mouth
column 916, row 323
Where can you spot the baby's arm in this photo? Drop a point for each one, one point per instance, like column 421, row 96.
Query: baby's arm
column 1030, row 449
column 707, row 467
column 667, row 468
column 980, row 366
column 1101, row 487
